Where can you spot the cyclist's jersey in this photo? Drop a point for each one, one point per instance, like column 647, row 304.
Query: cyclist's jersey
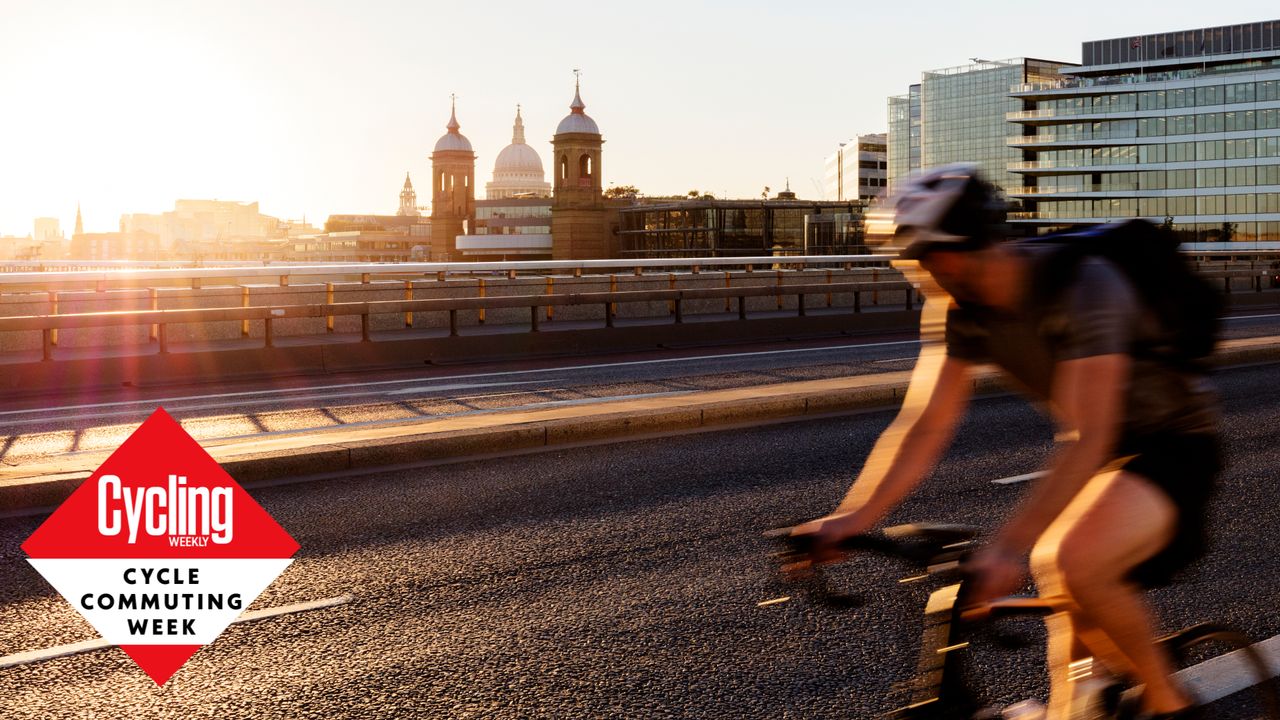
column 1098, row 314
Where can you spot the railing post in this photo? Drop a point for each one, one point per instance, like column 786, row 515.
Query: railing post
column 47, row 344
column 577, row 272
column 482, row 291
column 696, row 270
column 875, row 294
column 364, row 325
column 728, row 283
column 638, row 271
column 440, row 276
column 364, row 278
column 155, row 307
column 163, row 338
column 779, row 294
column 679, row 310
column 671, row 285
column 268, row 332
column 195, row 283
column 284, row 281
column 800, row 304
column 244, row 303
column 408, row 295
column 828, row 282
column 857, row 301
column 533, row 317
column 742, row 307
column 613, row 288
column 911, row 292
column 608, row 315
column 53, row 310
column 511, row 274
column 453, row 323
column 1226, row 284
column 328, row 300
column 551, row 286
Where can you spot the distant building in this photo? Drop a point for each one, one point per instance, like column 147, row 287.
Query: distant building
column 408, row 200
column 47, row 230
column 958, row 114
column 727, row 228
column 196, row 226
column 122, row 245
column 858, row 169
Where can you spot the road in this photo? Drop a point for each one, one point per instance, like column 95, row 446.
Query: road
column 38, row 427
column 616, row 581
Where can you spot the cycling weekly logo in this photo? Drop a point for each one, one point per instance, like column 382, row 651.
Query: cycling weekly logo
column 160, row 549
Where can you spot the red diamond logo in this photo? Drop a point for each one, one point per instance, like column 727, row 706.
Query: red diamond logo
column 160, row 549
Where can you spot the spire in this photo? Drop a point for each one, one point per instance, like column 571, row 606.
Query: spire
column 517, row 132
column 577, row 105
column 407, row 185
column 79, row 221
column 453, row 115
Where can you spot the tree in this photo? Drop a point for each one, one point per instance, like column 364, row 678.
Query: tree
column 621, row 191
column 765, row 195
column 1228, row 231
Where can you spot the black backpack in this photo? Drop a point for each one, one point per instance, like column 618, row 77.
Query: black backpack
column 1186, row 305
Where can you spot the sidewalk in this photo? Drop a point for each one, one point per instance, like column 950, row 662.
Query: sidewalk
column 48, row 482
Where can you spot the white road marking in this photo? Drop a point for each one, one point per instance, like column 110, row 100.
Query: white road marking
column 913, row 357
column 1230, row 673
column 1018, row 478
column 1250, row 317
column 59, row 651
column 45, row 411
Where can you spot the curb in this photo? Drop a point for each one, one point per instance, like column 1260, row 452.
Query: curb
column 687, row 413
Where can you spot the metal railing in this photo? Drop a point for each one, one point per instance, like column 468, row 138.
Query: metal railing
column 366, row 272
column 48, row 325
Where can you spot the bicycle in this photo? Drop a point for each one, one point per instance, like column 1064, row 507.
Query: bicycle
column 939, row 690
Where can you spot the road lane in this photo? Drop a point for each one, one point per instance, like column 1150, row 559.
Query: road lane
column 619, row 581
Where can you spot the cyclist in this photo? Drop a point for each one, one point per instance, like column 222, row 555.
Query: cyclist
column 1121, row 504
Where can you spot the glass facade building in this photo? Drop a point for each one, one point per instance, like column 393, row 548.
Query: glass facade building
column 959, row 114
column 728, row 228
column 1181, row 128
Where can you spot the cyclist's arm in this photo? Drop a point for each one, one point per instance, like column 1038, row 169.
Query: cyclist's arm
column 939, row 389
column 1088, row 393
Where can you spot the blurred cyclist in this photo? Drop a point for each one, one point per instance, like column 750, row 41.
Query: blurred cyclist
column 1122, row 503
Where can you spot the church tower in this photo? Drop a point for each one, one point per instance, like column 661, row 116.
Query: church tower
column 578, row 216
column 79, row 222
column 453, row 191
column 408, row 200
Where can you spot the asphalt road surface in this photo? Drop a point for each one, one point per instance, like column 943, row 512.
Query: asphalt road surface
column 617, row 581
column 33, row 428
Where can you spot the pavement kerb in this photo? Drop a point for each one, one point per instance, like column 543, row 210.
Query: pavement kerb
column 48, row 482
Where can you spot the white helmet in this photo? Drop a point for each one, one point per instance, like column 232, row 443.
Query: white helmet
column 950, row 206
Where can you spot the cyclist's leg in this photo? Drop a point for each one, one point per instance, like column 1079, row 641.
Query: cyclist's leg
column 1118, row 521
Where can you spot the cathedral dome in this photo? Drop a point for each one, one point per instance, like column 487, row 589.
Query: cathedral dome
column 518, row 157
column 517, row 171
column 577, row 121
column 453, row 140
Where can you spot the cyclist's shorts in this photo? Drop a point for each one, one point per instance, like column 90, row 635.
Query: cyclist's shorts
column 1185, row 467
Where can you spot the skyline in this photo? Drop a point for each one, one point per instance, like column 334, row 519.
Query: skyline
column 317, row 109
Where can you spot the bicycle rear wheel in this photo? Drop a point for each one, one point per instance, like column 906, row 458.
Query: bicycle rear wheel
column 1230, row 679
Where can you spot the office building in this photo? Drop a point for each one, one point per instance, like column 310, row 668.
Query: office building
column 958, row 114
column 1182, row 128
column 857, row 170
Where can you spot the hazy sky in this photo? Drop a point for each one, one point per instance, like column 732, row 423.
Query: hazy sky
column 314, row 108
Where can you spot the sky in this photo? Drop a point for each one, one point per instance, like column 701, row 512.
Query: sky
column 313, row 108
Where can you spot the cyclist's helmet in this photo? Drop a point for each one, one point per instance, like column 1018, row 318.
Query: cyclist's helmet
column 949, row 208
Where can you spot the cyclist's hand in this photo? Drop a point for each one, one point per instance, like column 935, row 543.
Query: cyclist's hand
column 827, row 533
column 995, row 573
